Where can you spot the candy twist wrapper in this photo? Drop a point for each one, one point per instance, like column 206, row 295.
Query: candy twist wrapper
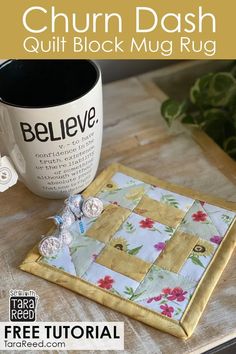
column 76, row 209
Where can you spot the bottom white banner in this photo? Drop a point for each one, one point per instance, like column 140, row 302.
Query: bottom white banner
column 61, row 336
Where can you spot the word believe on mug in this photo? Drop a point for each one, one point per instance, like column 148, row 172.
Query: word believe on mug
column 67, row 128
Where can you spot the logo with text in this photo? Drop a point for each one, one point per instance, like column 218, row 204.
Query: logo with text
column 23, row 305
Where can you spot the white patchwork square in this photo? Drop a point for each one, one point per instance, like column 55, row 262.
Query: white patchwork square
column 142, row 237
column 107, row 279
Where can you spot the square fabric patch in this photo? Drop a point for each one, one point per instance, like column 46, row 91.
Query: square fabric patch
column 155, row 253
column 141, row 237
column 109, row 280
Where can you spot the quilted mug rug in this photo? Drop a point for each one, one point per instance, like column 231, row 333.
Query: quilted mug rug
column 155, row 253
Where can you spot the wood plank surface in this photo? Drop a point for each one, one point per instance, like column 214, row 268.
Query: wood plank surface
column 134, row 135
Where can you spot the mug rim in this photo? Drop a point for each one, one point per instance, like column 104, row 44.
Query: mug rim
column 92, row 62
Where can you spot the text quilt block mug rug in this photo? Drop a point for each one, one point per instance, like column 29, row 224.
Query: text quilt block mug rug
column 155, row 253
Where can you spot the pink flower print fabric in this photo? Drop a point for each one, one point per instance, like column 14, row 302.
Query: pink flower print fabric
column 141, row 237
column 110, row 280
column 165, row 292
column 198, row 222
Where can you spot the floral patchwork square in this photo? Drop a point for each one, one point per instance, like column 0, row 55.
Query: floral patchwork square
column 198, row 222
column 221, row 218
column 198, row 260
column 123, row 190
column 142, row 237
column 165, row 292
column 107, row 279
column 170, row 198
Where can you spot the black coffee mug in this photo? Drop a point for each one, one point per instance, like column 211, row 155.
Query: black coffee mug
column 51, row 121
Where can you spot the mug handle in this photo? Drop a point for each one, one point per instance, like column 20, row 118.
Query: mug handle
column 6, row 129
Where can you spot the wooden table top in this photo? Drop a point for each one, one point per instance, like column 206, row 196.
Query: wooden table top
column 134, row 135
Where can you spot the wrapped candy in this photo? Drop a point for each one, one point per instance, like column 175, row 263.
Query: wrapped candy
column 76, row 208
column 92, row 207
column 65, row 220
column 74, row 203
column 65, row 237
column 49, row 246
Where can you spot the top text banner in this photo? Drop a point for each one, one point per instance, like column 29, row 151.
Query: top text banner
column 118, row 29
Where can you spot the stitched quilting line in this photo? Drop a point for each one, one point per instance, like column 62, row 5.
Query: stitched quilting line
column 145, row 192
